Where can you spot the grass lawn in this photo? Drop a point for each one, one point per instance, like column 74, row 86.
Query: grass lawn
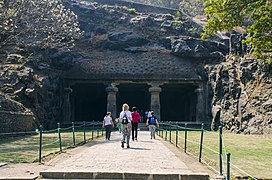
column 25, row 149
column 252, row 154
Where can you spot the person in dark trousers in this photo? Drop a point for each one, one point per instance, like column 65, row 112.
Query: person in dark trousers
column 152, row 122
column 108, row 124
column 135, row 121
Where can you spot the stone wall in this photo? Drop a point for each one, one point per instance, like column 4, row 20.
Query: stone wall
column 241, row 93
column 15, row 121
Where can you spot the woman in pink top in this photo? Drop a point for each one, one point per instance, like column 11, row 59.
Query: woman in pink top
column 135, row 120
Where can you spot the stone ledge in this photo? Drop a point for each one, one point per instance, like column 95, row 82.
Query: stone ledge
column 120, row 175
column 19, row 178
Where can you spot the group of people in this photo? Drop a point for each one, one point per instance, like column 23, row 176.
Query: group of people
column 128, row 124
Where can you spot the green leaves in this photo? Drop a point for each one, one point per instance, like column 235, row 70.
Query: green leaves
column 253, row 15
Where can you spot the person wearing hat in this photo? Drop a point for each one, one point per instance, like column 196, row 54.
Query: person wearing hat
column 152, row 122
column 134, row 122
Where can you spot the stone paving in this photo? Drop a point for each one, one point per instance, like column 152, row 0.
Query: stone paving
column 107, row 159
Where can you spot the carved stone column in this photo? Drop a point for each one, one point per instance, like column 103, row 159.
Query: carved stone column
column 111, row 100
column 67, row 104
column 200, row 106
column 155, row 101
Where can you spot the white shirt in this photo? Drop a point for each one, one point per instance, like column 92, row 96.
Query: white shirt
column 107, row 120
column 128, row 113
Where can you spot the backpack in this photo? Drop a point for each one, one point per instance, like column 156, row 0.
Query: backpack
column 125, row 119
column 152, row 120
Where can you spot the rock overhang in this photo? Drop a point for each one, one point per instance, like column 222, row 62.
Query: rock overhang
column 135, row 66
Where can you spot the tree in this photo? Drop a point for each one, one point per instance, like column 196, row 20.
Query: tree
column 227, row 14
column 37, row 23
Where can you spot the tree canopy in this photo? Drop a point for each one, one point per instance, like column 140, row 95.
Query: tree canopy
column 227, row 14
column 37, row 23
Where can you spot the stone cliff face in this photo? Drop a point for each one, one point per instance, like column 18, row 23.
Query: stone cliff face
column 32, row 89
column 241, row 95
column 240, row 90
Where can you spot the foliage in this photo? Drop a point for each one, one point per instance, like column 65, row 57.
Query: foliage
column 37, row 23
column 192, row 8
column 227, row 14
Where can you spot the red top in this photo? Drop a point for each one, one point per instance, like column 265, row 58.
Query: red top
column 135, row 116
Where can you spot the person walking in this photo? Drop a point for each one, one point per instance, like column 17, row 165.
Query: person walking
column 125, row 117
column 108, row 124
column 152, row 122
column 134, row 122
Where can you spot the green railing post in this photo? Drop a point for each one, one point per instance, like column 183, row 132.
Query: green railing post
column 60, row 145
column 176, row 136
column 201, row 142
column 220, row 152
column 97, row 132
column 84, row 132
column 165, row 134
column 170, row 133
column 93, row 131
column 228, row 166
column 162, row 132
column 40, row 147
column 74, row 138
column 185, row 138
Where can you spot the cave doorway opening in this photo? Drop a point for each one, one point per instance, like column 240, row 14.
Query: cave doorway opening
column 178, row 103
column 89, row 102
column 134, row 95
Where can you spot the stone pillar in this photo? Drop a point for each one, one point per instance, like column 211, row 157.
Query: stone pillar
column 67, row 104
column 200, row 106
column 155, row 101
column 111, row 100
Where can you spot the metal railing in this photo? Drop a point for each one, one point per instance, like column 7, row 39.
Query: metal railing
column 33, row 146
column 169, row 128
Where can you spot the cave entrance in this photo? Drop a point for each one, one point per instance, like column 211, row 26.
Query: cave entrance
column 89, row 102
column 178, row 103
column 134, row 95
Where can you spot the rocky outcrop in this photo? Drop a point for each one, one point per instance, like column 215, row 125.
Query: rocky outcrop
column 123, row 40
column 134, row 29
column 14, row 116
column 30, row 90
column 241, row 95
column 196, row 48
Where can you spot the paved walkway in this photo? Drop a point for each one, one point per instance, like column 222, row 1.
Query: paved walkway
column 108, row 159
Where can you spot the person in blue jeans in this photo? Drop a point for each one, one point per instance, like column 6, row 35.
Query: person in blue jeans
column 152, row 122
column 108, row 124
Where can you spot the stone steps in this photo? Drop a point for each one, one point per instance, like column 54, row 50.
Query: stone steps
column 120, row 175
